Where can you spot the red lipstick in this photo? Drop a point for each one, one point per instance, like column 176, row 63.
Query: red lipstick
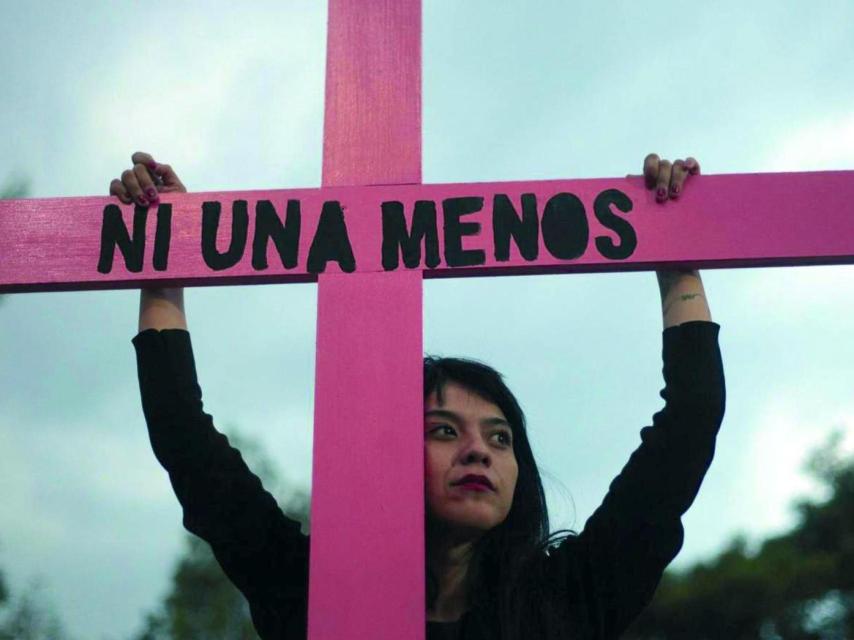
column 474, row 486
column 475, row 483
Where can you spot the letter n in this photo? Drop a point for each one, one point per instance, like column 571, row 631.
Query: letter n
column 114, row 233
column 506, row 224
column 210, row 225
column 286, row 237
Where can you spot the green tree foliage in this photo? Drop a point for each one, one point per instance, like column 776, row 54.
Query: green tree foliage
column 201, row 601
column 796, row 586
column 15, row 187
column 28, row 616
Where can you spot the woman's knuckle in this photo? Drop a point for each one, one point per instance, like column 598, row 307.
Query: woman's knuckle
column 142, row 174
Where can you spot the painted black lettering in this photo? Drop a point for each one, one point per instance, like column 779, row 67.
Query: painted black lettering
column 628, row 237
column 506, row 224
column 565, row 228
column 331, row 241
column 397, row 241
column 114, row 233
column 162, row 237
column 239, row 229
column 455, row 255
column 286, row 237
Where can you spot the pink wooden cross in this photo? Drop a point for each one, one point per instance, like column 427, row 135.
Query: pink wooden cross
column 368, row 236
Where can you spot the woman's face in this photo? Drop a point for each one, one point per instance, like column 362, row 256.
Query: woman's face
column 467, row 435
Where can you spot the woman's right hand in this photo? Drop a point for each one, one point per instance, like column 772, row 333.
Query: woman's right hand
column 144, row 182
column 159, row 308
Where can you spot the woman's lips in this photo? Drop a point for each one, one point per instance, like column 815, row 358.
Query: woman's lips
column 474, row 486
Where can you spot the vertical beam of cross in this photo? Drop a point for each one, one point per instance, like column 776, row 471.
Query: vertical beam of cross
column 367, row 514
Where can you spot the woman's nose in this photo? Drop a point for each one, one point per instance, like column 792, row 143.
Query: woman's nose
column 476, row 451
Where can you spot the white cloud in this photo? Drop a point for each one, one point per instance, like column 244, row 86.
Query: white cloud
column 787, row 431
column 823, row 145
column 21, row 518
column 817, row 290
column 229, row 108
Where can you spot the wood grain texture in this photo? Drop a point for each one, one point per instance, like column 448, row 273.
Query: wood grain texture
column 367, row 517
column 367, row 547
column 372, row 125
column 738, row 220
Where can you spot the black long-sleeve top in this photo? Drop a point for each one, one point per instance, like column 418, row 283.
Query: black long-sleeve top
column 607, row 574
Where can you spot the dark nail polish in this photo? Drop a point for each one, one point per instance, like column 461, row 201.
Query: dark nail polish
column 152, row 165
column 151, row 192
column 142, row 201
column 662, row 193
column 675, row 190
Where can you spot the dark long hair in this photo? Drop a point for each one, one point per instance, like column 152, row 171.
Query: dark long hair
column 506, row 576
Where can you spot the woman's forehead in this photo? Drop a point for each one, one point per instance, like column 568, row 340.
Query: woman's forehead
column 455, row 397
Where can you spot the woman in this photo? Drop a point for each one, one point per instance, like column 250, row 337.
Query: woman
column 492, row 569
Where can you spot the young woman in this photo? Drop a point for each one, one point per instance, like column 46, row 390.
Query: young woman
column 493, row 571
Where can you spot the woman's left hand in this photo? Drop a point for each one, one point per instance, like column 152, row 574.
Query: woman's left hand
column 682, row 295
column 668, row 178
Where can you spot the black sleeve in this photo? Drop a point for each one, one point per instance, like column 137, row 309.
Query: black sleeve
column 617, row 561
column 262, row 552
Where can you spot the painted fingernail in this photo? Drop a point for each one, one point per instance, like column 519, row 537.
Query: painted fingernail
column 142, row 201
column 662, row 193
column 675, row 190
column 151, row 192
column 152, row 165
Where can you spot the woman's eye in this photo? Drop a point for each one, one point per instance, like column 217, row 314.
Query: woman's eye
column 507, row 438
column 443, row 429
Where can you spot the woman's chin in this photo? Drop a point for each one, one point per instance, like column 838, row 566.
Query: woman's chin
column 465, row 522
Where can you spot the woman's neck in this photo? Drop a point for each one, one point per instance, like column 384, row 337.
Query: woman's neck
column 449, row 562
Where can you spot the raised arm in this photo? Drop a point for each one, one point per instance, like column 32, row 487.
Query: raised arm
column 683, row 298
column 162, row 309
column 262, row 551
column 159, row 308
column 621, row 554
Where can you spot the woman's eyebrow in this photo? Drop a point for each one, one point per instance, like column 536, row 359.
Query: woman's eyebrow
column 450, row 415
column 441, row 413
column 496, row 421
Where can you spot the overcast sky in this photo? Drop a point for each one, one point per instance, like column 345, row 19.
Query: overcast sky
column 232, row 98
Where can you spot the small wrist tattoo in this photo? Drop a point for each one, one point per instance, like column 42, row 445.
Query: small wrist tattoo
column 685, row 297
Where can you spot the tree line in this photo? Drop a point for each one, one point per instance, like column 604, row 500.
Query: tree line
column 795, row 586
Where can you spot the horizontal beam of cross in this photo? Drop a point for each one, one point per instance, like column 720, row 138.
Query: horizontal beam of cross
column 552, row 226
